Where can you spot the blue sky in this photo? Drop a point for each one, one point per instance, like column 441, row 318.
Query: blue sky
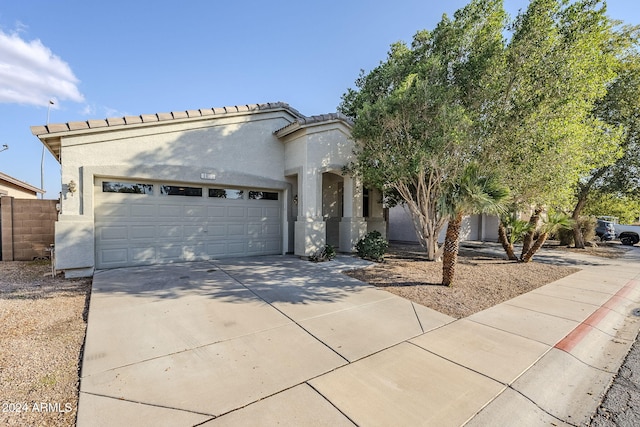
column 117, row 58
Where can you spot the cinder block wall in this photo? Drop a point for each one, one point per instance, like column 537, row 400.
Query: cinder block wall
column 27, row 228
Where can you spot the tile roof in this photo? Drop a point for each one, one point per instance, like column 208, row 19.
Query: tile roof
column 306, row 121
column 161, row 117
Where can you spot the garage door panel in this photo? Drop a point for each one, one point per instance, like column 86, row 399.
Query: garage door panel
column 113, row 256
column 143, row 231
column 235, row 230
column 254, row 230
column 194, row 231
column 272, row 246
column 272, row 212
column 169, row 231
column 143, row 255
column 255, row 212
column 114, row 233
column 113, row 210
column 140, row 211
column 236, row 212
column 256, row 246
column 217, row 212
column 216, row 249
column 194, row 252
column 272, row 230
column 169, row 211
column 236, row 248
column 170, row 252
column 218, row 230
column 198, row 212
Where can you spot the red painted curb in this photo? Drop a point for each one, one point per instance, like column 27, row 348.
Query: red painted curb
column 574, row 337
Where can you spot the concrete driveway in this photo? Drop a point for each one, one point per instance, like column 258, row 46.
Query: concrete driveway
column 277, row 340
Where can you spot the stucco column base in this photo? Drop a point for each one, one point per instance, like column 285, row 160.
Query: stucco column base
column 310, row 236
column 351, row 230
column 74, row 242
column 379, row 225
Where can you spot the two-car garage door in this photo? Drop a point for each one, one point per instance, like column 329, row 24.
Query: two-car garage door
column 152, row 223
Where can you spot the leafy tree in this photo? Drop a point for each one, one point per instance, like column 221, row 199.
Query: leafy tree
column 620, row 109
column 463, row 93
column 473, row 193
column 559, row 61
column 417, row 115
column 604, row 203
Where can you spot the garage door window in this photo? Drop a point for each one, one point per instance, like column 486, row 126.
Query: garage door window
column 263, row 195
column 226, row 193
column 177, row 190
column 126, row 187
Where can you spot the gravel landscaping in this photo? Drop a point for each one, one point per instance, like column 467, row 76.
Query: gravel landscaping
column 483, row 277
column 43, row 321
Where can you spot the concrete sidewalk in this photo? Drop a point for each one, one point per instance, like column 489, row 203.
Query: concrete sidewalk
column 270, row 340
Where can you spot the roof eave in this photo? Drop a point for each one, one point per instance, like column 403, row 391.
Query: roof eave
column 21, row 184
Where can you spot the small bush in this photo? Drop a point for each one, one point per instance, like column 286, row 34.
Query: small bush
column 325, row 254
column 372, row 246
column 587, row 225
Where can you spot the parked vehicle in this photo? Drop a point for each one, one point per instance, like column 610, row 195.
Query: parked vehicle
column 605, row 230
column 627, row 234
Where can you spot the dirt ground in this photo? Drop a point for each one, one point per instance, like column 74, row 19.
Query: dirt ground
column 42, row 329
column 482, row 280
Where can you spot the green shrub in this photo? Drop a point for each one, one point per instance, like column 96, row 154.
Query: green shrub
column 372, row 246
column 587, row 225
column 325, row 254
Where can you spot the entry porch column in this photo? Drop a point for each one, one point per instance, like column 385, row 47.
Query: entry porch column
column 352, row 226
column 310, row 228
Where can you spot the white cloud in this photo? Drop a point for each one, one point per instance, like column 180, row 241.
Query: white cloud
column 100, row 111
column 31, row 74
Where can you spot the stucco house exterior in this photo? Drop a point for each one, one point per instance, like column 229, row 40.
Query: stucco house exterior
column 10, row 186
column 480, row 227
column 205, row 184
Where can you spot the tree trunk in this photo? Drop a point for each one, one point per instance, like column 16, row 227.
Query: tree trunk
column 578, row 238
column 450, row 253
column 506, row 245
column 427, row 228
column 538, row 244
column 528, row 238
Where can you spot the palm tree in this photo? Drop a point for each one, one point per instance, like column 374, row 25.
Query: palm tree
column 511, row 231
column 553, row 223
column 472, row 193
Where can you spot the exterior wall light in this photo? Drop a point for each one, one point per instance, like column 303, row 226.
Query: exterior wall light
column 295, row 199
column 72, row 186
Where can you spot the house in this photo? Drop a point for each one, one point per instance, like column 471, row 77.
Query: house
column 26, row 223
column 13, row 187
column 204, row 184
column 481, row 227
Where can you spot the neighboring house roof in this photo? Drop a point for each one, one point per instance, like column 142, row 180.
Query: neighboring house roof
column 17, row 183
column 49, row 134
